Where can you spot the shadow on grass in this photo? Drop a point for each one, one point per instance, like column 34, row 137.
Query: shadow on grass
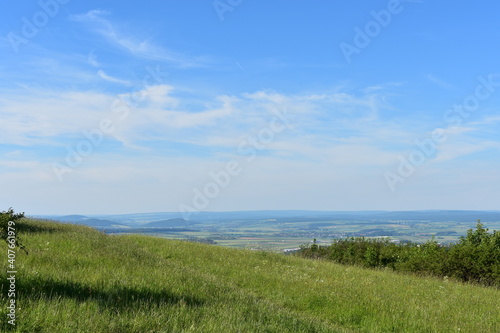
column 117, row 298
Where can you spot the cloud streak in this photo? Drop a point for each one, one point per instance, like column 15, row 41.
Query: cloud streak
column 145, row 48
column 439, row 82
column 102, row 74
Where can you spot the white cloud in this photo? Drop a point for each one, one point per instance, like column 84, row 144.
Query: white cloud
column 41, row 116
column 454, row 150
column 102, row 74
column 159, row 96
column 161, row 113
column 463, row 141
column 327, row 129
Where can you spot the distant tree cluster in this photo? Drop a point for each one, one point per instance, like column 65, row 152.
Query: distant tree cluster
column 201, row 240
column 475, row 258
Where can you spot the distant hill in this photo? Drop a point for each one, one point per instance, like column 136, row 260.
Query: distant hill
column 96, row 223
column 171, row 219
column 85, row 220
column 70, row 218
column 440, row 215
column 167, row 223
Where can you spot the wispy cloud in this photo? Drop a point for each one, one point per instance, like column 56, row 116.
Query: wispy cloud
column 39, row 116
column 102, row 74
column 92, row 59
column 140, row 47
column 464, row 141
column 439, row 82
column 486, row 121
column 458, row 149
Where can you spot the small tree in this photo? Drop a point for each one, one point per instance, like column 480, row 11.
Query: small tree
column 5, row 218
column 476, row 237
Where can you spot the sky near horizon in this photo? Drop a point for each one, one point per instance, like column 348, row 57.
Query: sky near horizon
column 124, row 107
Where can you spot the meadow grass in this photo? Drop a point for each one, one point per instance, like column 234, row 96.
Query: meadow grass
column 75, row 279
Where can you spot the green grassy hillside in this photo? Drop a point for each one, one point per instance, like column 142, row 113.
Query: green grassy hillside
column 75, row 279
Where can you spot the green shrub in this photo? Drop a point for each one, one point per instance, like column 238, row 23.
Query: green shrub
column 8, row 230
column 475, row 258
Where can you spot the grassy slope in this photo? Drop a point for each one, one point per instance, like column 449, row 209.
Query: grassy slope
column 78, row 280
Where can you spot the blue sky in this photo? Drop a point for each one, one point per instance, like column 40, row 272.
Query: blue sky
column 122, row 107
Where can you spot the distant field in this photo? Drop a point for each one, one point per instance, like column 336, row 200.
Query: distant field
column 278, row 235
column 75, row 279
